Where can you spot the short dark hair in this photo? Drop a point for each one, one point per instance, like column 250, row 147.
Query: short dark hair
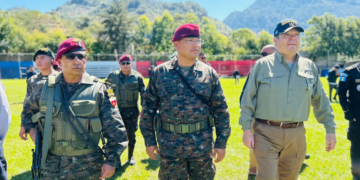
column 202, row 54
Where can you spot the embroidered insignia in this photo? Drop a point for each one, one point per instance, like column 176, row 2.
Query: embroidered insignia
column 110, row 92
column 44, row 49
column 43, row 108
column 113, row 101
column 357, row 80
column 78, row 41
column 343, row 77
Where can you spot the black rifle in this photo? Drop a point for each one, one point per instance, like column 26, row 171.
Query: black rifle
column 36, row 163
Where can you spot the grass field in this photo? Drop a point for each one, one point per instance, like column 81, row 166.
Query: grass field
column 322, row 165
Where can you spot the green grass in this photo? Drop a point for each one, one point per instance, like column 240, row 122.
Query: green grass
column 322, row 165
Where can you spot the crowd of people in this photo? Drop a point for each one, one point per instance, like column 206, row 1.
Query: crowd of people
column 182, row 105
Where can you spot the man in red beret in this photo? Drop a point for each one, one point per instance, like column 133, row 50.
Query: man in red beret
column 73, row 111
column 127, row 83
column 189, row 100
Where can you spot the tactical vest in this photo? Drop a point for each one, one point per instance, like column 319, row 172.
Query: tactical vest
column 127, row 94
column 63, row 139
column 36, row 80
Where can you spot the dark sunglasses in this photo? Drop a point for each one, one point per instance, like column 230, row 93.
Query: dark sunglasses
column 72, row 56
column 203, row 58
column 125, row 63
column 264, row 54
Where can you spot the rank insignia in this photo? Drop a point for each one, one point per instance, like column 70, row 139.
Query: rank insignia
column 110, row 92
column 43, row 108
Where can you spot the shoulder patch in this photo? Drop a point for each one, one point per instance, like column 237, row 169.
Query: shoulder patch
column 343, row 77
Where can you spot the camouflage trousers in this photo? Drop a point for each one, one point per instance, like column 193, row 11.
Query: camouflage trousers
column 190, row 168
column 186, row 156
column 130, row 118
column 84, row 167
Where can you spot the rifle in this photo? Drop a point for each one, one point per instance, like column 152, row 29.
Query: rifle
column 36, row 163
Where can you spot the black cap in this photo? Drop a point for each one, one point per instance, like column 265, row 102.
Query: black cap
column 286, row 25
column 44, row 51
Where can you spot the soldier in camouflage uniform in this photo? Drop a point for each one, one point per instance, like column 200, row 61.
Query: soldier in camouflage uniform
column 68, row 155
column 184, row 123
column 43, row 59
column 127, row 84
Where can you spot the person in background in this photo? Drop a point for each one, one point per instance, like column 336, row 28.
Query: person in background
column 30, row 72
column 236, row 75
column 331, row 77
column 5, row 119
column 202, row 58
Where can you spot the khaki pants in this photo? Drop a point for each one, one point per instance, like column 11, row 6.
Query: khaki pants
column 279, row 152
column 253, row 162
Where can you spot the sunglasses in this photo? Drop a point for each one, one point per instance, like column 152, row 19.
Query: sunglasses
column 125, row 63
column 72, row 56
column 264, row 54
column 203, row 58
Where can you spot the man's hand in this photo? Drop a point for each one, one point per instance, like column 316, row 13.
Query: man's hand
column 219, row 154
column 248, row 139
column 23, row 134
column 150, row 151
column 330, row 142
column 107, row 171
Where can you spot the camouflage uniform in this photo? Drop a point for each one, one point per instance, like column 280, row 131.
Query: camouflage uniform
column 34, row 80
column 86, row 166
column 185, row 155
column 129, row 114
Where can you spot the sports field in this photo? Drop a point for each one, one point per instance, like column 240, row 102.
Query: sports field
column 322, row 165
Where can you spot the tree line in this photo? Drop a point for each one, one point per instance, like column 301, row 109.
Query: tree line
column 114, row 30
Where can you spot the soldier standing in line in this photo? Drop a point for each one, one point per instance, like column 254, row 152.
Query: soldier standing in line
column 187, row 94
column 127, row 83
column 73, row 111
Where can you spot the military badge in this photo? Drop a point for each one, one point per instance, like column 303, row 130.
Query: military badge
column 43, row 108
column 343, row 77
column 44, row 49
column 113, row 101
column 110, row 92
column 78, row 41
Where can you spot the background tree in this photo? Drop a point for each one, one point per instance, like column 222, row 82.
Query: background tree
column 162, row 33
column 117, row 24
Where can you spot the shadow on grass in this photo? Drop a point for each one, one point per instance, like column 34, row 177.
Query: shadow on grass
column 23, row 176
column 119, row 172
column 151, row 164
column 303, row 167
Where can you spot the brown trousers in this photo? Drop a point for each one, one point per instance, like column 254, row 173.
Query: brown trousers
column 253, row 162
column 279, row 152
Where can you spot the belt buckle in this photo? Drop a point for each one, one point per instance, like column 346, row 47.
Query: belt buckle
column 281, row 124
column 268, row 122
column 185, row 128
column 298, row 123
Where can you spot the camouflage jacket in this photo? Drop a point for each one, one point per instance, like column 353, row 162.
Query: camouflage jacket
column 113, row 127
column 176, row 103
column 34, row 80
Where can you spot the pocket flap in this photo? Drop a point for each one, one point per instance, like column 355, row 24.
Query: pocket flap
column 306, row 75
column 96, row 124
column 274, row 74
column 132, row 86
column 35, row 118
column 83, row 107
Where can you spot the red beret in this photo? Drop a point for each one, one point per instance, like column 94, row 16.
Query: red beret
column 125, row 57
column 186, row 30
column 70, row 45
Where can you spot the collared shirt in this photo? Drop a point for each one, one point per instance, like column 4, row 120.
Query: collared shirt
column 275, row 93
column 5, row 115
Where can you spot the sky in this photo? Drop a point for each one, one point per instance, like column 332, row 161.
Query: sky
column 218, row 9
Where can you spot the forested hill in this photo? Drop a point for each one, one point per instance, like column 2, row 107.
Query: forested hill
column 265, row 14
column 75, row 9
